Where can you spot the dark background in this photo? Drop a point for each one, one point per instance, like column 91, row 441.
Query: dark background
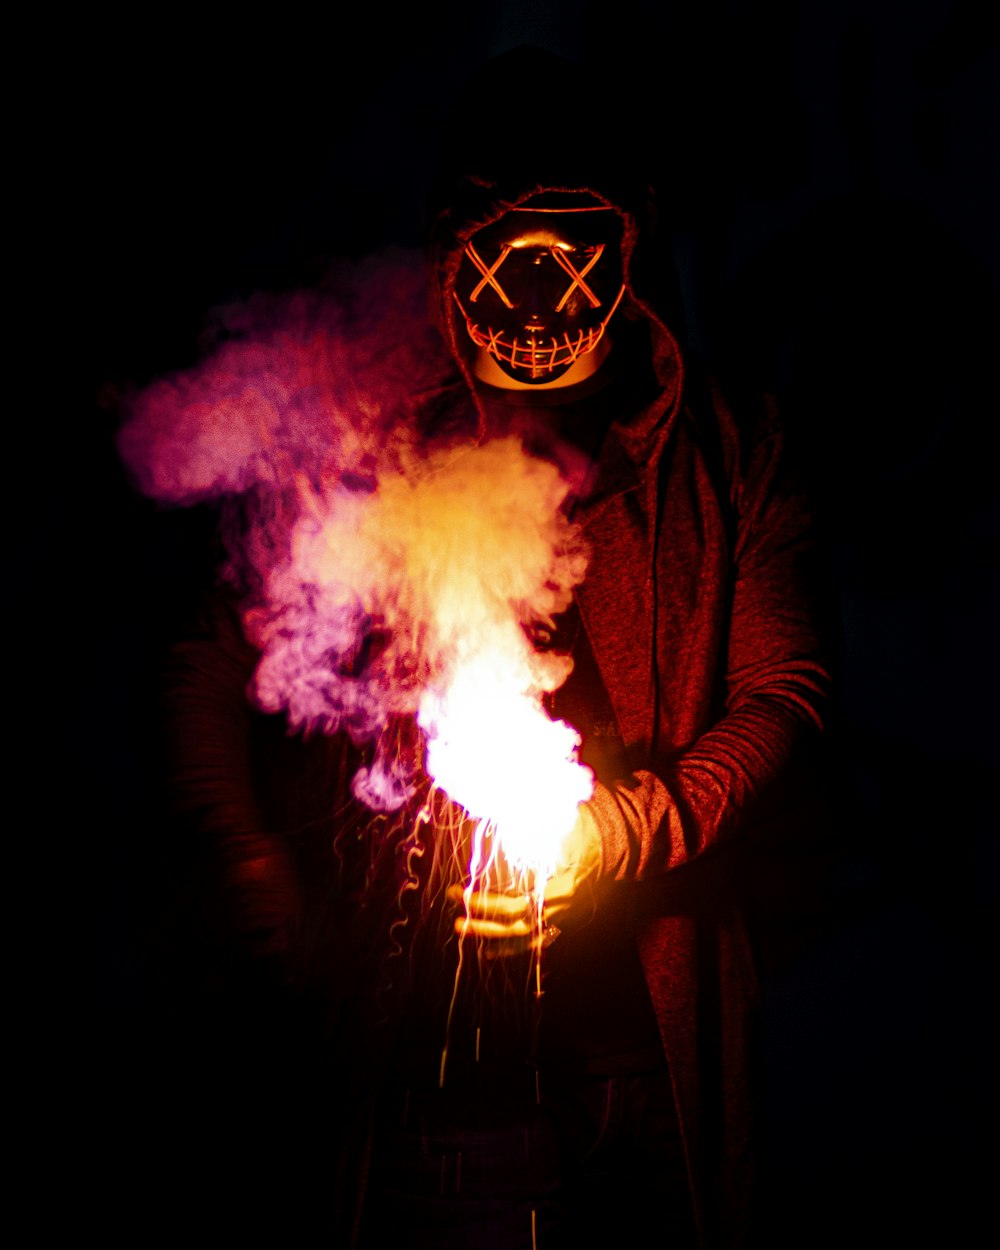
column 830, row 169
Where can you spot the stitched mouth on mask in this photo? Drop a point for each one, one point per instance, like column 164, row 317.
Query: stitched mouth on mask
column 535, row 353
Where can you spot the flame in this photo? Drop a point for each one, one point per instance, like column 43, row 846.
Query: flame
column 494, row 550
column 493, row 749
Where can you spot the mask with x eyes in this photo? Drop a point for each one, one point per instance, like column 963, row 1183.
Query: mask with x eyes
column 538, row 287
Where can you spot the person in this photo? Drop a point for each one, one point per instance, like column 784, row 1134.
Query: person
column 621, row 1100
column 701, row 639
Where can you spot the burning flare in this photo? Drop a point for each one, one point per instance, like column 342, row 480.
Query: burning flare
column 391, row 574
column 492, row 748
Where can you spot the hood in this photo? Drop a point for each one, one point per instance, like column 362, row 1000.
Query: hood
column 528, row 124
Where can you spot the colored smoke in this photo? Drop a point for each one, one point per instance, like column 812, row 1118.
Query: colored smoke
column 378, row 553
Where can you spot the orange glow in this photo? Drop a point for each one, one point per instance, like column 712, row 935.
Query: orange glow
column 578, row 277
column 483, row 547
column 489, row 278
column 536, row 353
column 496, row 753
column 456, row 557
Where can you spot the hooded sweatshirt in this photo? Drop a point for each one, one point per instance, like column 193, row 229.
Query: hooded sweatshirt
column 702, row 607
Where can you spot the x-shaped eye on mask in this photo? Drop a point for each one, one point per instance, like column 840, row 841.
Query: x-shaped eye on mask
column 564, row 262
column 488, row 274
column 489, row 277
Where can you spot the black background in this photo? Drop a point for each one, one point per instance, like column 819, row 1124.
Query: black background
column 831, row 174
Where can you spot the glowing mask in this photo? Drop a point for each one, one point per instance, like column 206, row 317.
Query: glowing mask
column 538, row 287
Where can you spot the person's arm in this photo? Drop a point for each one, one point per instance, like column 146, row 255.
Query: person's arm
column 251, row 869
column 777, row 685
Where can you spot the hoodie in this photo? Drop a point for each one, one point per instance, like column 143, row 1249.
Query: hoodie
column 703, row 608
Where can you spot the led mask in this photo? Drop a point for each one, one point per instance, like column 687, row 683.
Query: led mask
column 538, row 287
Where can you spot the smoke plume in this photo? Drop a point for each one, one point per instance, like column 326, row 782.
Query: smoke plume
column 379, row 555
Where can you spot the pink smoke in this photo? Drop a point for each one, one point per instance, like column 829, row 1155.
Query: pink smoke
column 307, row 383
column 377, row 549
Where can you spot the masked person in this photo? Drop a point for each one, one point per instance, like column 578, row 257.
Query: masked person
column 700, row 641
column 618, row 1103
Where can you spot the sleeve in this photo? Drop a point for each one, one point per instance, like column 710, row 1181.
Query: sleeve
column 757, row 758
column 210, row 759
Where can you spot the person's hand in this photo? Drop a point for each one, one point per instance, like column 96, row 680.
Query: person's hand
column 508, row 923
